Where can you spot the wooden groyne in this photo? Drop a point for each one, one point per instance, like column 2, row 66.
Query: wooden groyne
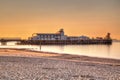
column 64, row 42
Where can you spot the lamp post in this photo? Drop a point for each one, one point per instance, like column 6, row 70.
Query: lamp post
column 40, row 45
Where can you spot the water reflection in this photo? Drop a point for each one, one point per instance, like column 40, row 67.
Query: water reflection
column 53, row 48
column 106, row 51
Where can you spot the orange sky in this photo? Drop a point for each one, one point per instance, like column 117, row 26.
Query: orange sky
column 77, row 17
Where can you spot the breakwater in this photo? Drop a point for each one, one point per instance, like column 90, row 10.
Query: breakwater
column 64, row 42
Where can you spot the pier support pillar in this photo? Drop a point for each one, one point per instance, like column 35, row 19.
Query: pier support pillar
column 3, row 43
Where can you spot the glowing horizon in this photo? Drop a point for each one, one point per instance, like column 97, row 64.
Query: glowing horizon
column 22, row 18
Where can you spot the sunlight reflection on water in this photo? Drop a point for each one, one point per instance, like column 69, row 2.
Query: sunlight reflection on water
column 106, row 51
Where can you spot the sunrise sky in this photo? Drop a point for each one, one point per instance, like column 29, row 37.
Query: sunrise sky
column 21, row 18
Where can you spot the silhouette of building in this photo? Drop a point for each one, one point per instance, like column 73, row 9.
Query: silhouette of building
column 60, row 35
column 50, row 36
column 108, row 36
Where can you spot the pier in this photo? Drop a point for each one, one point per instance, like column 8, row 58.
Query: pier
column 55, row 42
column 64, row 42
column 5, row 40
column 58, row 38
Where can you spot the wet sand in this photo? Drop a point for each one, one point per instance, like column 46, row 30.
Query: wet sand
column 30, row 65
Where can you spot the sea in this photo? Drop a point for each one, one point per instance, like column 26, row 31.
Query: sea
column 94, row 50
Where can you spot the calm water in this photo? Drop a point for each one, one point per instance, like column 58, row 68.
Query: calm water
column 106, row 51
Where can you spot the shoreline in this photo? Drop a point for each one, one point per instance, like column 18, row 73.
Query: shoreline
column 16, row 64
column 53, row 55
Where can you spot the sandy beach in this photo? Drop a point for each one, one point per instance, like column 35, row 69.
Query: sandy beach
column 30, row 65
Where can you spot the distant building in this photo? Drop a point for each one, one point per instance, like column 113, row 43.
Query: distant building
column 84, row 38
column 56, row 36
column 50, row 36
column 72, row 38
column 108, row 36
column 78, row 38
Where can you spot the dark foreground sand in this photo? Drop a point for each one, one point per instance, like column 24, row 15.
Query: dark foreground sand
column 26, row 65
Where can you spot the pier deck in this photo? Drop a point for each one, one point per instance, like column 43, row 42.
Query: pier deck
column 64, row 42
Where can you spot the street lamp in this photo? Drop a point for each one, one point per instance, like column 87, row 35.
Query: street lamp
column 40, row 45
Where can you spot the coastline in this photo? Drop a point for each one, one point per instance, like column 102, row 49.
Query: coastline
column 31, row 65
column 53, row 55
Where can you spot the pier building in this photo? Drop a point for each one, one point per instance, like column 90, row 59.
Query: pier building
column 60, row 35
column 50, row 36
column 60, row 38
